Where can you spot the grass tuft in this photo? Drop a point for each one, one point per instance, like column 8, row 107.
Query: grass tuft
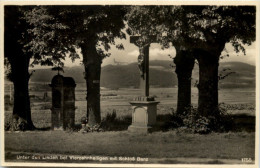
column 113, row 123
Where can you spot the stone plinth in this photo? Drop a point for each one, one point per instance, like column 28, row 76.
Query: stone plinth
column 143, row 116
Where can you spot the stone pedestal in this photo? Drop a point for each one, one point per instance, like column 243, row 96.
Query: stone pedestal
column 143, row 116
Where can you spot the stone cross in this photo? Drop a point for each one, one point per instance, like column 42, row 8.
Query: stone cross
column 143, row 42
column 144, row 107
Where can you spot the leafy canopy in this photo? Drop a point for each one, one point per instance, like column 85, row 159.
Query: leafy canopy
column 195, row 26
column 60, row 30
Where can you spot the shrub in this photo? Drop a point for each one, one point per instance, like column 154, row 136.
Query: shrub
column 202, row 125
column 191, row 120
column 112, row 123
column 110, row 117
column 171, row 121
column 7, row 126
column 16, row 124
column 223, row 122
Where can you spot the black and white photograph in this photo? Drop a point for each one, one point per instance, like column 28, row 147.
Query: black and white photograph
column 133, row 84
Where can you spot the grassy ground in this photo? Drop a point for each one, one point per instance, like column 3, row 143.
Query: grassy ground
column 159, row 147
column 244, row 115
column 156, row 145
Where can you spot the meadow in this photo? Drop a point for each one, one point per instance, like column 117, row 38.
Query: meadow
column 238, row 101
column 160, row 147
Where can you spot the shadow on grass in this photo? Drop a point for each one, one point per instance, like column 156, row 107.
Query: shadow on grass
column 43, row 129
column 243, row 122
column 112, row 123
column 76, row 127
column 166, row 122
column 116, row 124
column 236, row 122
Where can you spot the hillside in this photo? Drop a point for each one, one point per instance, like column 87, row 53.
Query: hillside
column 161, row 75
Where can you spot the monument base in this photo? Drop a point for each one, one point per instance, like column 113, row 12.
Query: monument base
column 140, row 129
column 143, row 116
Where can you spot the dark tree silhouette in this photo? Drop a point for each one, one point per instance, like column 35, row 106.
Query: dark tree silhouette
column 202, row 31
column 170, row 25
column 15, row 37
column 18, row 52
column 90, row 28
column 216, row 26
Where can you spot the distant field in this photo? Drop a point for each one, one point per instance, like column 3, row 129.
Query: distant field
column 118, row 100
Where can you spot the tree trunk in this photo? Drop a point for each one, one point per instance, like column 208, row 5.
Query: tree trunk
column 184, row 62
column 92, row 63
column 208, row 83
column 21, row 109
column 19, row 61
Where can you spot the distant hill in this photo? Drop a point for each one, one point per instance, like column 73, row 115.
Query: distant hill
column 129, row 75
column 45, row 75
column 244, row 75
column 161, row 75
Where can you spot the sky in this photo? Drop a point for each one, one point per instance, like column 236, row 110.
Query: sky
column 130, row 54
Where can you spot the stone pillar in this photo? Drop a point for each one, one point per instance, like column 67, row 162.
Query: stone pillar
column 69, row 102
column 63, row 102
column 144, row 81
column 57, row 102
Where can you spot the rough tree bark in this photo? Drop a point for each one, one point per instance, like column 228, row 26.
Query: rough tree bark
column 208, row 80
column 19, row 61
column 184, row 62
column 92, row 63
column 20, row 78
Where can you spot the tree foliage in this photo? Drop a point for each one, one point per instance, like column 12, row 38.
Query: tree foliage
column 195, row 26
column 202, row 30
column 60, row 30
column 15, row 38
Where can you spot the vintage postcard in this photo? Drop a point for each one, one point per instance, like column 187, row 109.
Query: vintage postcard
column 130, row 83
